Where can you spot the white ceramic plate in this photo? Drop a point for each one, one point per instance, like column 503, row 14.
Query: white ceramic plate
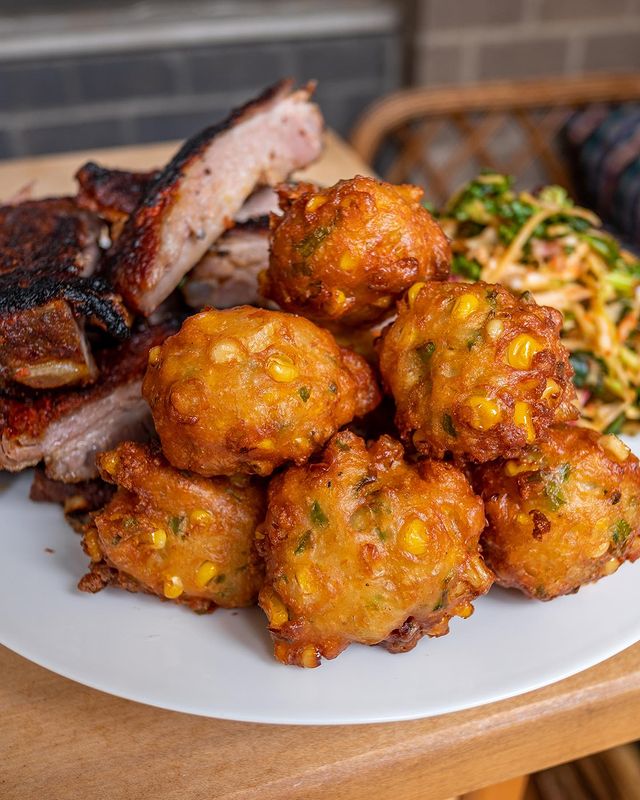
column 221, row 665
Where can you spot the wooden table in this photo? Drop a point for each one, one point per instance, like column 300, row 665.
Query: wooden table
column 62, row 741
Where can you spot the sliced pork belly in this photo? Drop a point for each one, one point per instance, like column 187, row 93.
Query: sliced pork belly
column 66, row 429
column 204, row 186
column 227, row 275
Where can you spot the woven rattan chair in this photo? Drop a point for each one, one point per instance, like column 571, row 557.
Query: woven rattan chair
column 440, row 137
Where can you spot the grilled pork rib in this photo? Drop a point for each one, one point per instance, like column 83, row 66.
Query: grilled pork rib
column 39, row 234
column 227, row 275
column 113, row 194
column 66, row 429
column 199, row 192
column 48, row 254
column 42, row 338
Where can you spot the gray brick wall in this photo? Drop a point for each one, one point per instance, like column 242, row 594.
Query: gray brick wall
column 98, row 100
column 460, row 41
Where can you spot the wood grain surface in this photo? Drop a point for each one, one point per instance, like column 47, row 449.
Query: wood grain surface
column 63, row 741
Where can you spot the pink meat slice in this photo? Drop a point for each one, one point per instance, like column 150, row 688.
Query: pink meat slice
column 201, row 190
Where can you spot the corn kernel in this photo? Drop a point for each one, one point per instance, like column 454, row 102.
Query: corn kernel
column 187, row 397
column 157, row 539
column 316, row 202
column 225, row 351
column 522, row 418
column 338, row 298
column 281, row 651
column 513, row 468
column 601, row 526
column 200, row 516
column 551, row 390
column 413, row 537
column 266, row 444
column 495, row 327
column 615, row 447
column 92, row 545
column 465, row 610
column 305, row 580
column 275, row 609
column 523, row 519
column 600, row 549
column 348, row 261
column 172, row 587
column 154, row 355
column 465, row 305
column 486, row 412
column 610, row 566
column 206, row 572
column 414, row 291
column 282, row 368
column 110, row 462
column 521, row 351
column 309, row 657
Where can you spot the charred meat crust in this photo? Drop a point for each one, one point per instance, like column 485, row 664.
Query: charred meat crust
column 38, row 234
column 112, row 193
column 92, row 297
column 44, row 347
column 48, row 252
column 156, row 197
column 136, row 261
column 65, row 429
column 31, row 415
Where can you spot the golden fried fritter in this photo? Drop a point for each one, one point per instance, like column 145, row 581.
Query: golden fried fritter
column 347, row 252
column 565, row 513
column 180, row 536
column 364, row 547
column 475, row 371
column 245, row 389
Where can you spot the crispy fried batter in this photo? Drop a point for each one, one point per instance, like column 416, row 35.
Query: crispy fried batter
column 347, row 252
column 176, row 535
column 565, row 513
column 475, row 371
column 364, row 547
column 245, row 389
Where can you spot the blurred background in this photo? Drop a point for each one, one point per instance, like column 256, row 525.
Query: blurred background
column 80, row 74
